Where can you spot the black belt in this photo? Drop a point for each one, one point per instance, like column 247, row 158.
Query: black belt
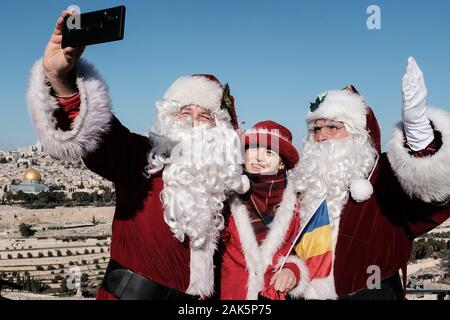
column 125, row 284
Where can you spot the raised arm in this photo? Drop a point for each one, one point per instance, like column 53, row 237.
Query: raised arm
column 423, row 174
column 417, row 127
column 94, row 134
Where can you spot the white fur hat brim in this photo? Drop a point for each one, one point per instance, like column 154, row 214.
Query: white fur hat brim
column 196, row 90
column 343, row 106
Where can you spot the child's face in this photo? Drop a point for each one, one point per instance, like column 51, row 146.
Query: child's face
column 259, row 160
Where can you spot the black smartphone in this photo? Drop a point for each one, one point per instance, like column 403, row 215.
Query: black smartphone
column 94, row 27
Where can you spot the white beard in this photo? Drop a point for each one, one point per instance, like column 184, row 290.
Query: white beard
column 198, row 172
column 327, row 168
column 325, row 171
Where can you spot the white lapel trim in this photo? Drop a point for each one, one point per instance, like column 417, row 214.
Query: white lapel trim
column 259, row 258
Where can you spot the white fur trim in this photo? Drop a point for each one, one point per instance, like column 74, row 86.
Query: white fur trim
column 196, row 90
column 244, row 186
column 361, row 190
column 255, row 268
column 201, row 281
column 258, row 258
column 343, row 106
column 321, row 289
column 302, row 284
column 427, row 178
column 93, row 121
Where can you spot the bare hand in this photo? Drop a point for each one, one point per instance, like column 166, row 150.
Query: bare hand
column 59, row 63
column 284, row 280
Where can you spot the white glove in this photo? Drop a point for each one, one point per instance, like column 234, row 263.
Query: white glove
column 418, row 130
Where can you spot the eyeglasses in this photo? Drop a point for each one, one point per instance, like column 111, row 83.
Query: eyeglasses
column 331, row 128
column 190, row 115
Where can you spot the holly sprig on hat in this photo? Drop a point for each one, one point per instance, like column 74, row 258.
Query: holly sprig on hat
column 316, row 104
column 227, row 102
column 228, row 105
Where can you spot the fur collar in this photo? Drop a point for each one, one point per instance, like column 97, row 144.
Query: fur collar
column 258, row 258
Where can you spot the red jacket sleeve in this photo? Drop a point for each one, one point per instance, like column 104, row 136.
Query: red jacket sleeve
column 285, row 249
column 122, row 155
column 68, row 111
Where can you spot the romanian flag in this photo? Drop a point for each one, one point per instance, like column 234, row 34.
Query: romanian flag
column 314, row 243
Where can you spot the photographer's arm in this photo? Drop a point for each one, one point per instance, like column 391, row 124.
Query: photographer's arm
column 94, row 135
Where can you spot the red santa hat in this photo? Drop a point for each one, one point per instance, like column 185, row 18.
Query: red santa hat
column 348, row 106
column 275, row 137
column 203, row 90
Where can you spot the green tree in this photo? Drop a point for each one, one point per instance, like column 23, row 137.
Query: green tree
column 107, row 196
column 81, row 198
column 94, row 221
column 84, row 280
column 25, row 230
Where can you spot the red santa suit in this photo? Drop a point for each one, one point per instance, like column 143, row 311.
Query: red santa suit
column 410, row 197
column 86, row 129
column 262, row 225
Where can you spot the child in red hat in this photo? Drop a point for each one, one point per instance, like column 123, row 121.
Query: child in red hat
column 263, row 222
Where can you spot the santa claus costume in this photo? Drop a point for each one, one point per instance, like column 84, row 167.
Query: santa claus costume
column 262, row 225
column 168, row 210
column 377, row 202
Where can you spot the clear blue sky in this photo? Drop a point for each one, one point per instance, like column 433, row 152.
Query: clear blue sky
column 276, row 55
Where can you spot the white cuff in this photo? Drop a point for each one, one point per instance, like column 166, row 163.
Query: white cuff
column 426, row 178
column 93, row 121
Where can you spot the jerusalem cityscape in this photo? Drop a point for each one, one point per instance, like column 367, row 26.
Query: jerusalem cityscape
column 46, row 239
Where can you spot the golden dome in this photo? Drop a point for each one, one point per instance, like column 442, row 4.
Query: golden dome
column 32, row 174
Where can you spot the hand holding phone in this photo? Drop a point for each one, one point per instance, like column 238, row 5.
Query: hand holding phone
column 65, row 48
column 94, row 27
column 58, row 63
